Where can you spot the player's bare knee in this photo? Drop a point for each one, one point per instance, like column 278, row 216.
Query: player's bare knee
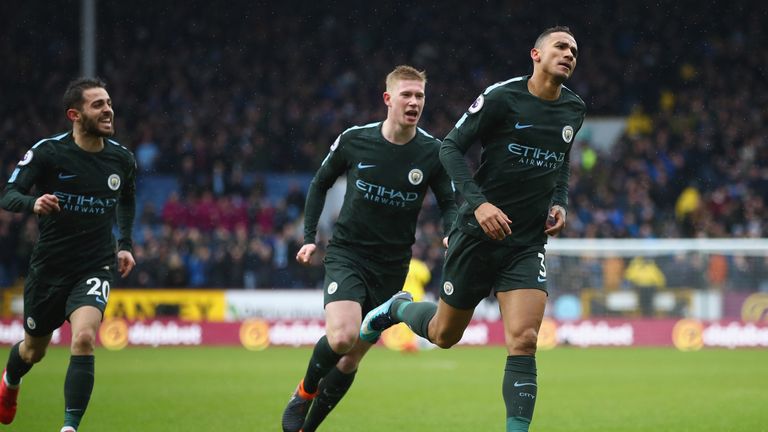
column 349, row 363
column 343, row 346
column 32, row 355
column 523, row 342
column 84, row 342
column 446, row 340
column 342, row 342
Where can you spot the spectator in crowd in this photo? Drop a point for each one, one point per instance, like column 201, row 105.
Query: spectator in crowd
column 646, row 278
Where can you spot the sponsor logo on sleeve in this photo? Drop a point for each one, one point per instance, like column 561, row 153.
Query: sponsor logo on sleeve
column 335, row 144
column 477, row 105
column 27, row 158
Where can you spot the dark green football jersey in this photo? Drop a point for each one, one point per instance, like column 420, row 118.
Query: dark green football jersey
column 93, row 189
column 524, row 163
column 386, row 185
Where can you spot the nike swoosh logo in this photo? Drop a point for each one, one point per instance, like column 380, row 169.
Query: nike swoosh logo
column 519, row 126
column 541, row 279
column 363, row 166
column 63, row 176
column 72, row 409
column 519, row 384
column 100, row 300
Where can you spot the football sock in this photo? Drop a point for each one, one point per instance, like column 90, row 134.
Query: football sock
column 16, row 367
column 78, row 386
column 519, row 390
column 416, row 315
column 322, row 361
column 397, row 308
column 332, row 389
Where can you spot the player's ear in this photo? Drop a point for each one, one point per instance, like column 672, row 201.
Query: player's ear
column 535, row 55
column 73, row 115
column 387, row 99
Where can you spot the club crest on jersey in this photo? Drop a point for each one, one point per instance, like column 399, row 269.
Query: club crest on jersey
column 477, row 105
column 448, row 288
column 415, row 176
column 567, row 134
column 27, row 158
column 332, row 287
column 114, row 182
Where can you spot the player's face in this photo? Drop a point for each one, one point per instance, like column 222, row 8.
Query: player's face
column 97, row 116
column 558, row 53
column 406, row 102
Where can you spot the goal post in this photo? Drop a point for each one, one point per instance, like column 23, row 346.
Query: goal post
column 696, row 278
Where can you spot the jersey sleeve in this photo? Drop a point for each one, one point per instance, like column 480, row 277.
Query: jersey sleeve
column 445, row 195
column 126, row 208
column 484, row 114
column 332, row 167
column 560, row 194
column 27, row 173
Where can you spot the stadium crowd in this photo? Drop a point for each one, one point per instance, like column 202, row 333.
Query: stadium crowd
column 213, row 97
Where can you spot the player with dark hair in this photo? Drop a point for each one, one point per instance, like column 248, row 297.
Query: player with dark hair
column 83, row 180
column 388, row 165
column 517, row 197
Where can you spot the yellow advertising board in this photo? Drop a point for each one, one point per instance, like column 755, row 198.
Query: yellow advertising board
column 188, row 305
column 755, row 308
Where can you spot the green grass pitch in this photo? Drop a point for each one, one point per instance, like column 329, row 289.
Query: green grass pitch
column 231, row 389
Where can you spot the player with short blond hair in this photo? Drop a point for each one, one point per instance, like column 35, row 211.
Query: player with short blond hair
column 404, row 73
column 389, row 166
